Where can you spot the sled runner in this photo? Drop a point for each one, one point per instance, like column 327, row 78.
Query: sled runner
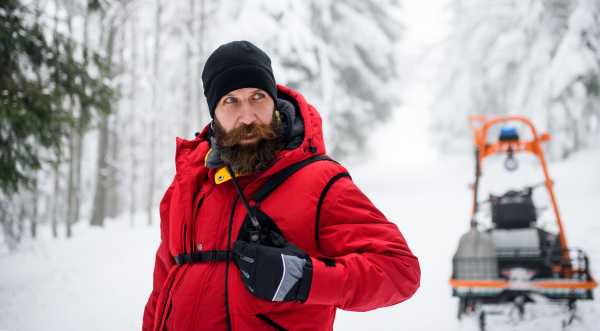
column 514, row 261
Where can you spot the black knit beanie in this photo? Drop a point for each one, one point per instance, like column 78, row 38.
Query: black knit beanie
column 236, row 65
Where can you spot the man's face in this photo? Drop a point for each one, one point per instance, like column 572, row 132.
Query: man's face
column 246, row 130
column 244, row 107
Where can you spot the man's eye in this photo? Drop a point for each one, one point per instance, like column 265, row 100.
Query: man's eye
column 259, row 96
column 230, row 99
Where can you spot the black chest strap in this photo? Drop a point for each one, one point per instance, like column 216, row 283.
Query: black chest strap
column 284, row 174
column 214, row 255
column 260, row 195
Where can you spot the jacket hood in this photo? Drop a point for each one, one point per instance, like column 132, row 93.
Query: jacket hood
column 194, row 151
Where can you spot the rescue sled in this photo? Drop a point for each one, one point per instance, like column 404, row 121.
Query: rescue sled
column 514, row 261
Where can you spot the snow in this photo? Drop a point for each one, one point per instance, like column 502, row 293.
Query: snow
column 98, row 280
column 527, row 57
column 431, row 206
column 101, row 278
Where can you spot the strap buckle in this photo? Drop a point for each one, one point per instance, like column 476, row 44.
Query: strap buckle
column 218, row 255
column 214, row 255
column 179, row 259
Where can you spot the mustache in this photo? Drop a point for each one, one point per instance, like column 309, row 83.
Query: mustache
column 266, row 132
column 248, row 158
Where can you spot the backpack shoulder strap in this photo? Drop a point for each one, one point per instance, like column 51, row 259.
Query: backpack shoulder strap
column 327, row 187
column 284, row 174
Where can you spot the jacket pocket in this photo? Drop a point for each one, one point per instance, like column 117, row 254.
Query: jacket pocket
column 271, row 322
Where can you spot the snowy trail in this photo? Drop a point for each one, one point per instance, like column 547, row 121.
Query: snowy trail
column 431, row 206
column 101, row 278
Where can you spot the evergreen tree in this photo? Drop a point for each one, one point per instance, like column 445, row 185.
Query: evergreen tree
column 39, row 77
column 339, row 54
column 538, row 58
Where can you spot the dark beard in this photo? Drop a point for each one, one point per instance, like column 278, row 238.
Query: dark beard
column 248, row 158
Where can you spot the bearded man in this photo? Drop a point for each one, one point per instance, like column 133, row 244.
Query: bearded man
column 260, row 229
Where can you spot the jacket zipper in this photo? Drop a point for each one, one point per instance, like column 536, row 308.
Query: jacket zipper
column 229, row 244
column 167, row 298
column 227, row 267
column 175, row 276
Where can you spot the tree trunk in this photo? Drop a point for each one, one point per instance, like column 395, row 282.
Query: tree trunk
column 151, row 174
column 56, row 200
column 78, row 151
column 78, row 134
column 34, row 214
column 200, row 39
column 132, row 133
column 102, row 170
column 189, row 84
column 152, row 151
column 56, row 166
column 21, row 223
column 113, row 199
column 99, row 212
column 71, row 195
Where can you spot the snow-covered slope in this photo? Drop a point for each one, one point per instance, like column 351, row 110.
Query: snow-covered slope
column 432, row 205
column 101, row 278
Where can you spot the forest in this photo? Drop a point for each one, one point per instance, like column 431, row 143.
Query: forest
column 95, row 92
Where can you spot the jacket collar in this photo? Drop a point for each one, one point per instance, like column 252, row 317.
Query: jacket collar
column 191, row 154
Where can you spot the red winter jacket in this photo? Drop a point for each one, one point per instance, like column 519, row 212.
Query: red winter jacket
column 373, row 266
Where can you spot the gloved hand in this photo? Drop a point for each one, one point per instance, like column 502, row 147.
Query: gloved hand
column 282, row 272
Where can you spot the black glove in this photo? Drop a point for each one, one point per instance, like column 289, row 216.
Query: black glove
column 282, row 272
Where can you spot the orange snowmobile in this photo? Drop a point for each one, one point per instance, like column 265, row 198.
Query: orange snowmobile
column 514, row 261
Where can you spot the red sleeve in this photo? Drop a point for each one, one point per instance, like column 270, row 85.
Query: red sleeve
column 163, row 263
column 374, row 267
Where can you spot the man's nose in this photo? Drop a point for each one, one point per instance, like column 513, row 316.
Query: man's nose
column 247, row 115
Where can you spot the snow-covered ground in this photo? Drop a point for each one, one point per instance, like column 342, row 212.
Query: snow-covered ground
column 101, row 278
column 431, row 206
